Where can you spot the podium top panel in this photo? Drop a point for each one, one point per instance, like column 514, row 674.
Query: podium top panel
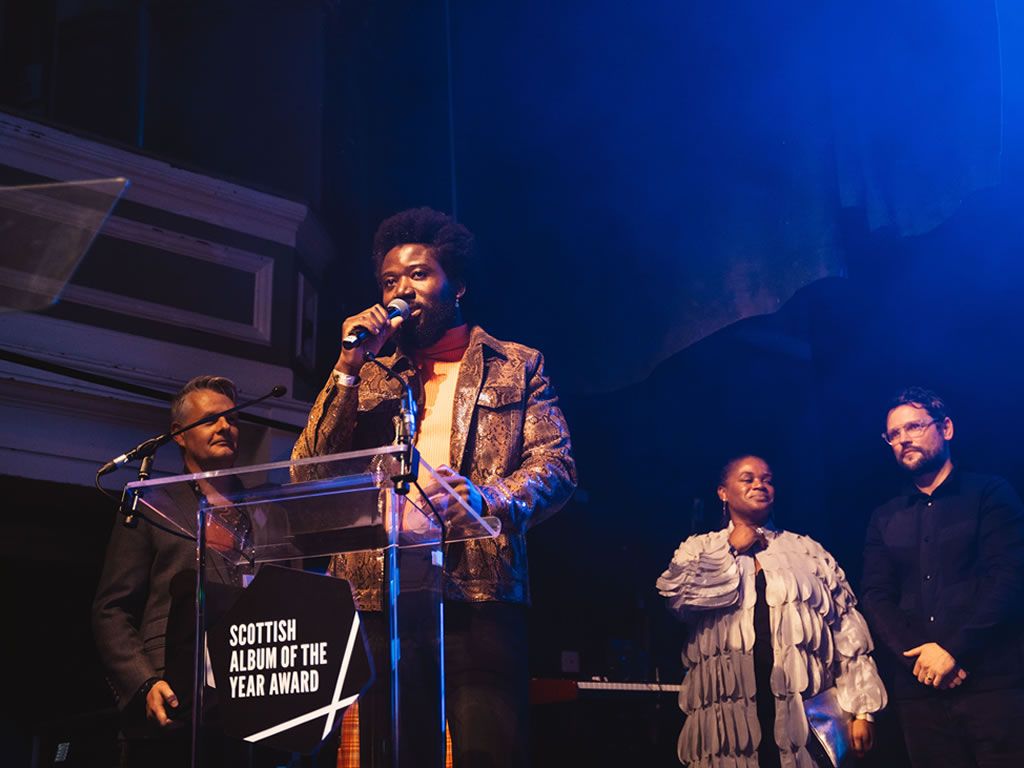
column 321, row 505
column 45, row 230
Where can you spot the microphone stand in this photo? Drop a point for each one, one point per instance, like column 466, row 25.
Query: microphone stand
column 144, row 469
column 405, row 430
column 199, row 646
column 408, row 469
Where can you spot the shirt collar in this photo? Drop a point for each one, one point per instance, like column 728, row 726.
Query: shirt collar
column 948, row 487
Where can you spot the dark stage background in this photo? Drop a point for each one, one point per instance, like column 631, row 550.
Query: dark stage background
column 731, row 227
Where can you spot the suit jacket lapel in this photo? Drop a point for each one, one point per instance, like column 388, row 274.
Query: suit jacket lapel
column 467, row 390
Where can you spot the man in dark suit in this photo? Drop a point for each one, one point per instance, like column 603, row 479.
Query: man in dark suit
column 943, row 590
column 133, row 599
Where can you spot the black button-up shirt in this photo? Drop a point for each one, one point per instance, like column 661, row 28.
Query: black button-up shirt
column 949, row 569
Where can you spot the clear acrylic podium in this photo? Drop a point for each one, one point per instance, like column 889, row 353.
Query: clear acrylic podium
column 286, row 513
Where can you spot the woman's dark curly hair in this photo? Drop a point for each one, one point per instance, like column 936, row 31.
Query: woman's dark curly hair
column 451, row 243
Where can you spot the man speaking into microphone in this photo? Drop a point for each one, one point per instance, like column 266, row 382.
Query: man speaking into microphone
column 491, row 425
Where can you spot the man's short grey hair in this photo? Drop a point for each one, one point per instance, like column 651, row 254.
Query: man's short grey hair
column 221, row 384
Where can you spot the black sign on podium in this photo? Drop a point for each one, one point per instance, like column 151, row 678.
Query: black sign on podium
column 285, row 668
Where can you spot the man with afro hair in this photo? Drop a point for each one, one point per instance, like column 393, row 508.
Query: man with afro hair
column 492, row 427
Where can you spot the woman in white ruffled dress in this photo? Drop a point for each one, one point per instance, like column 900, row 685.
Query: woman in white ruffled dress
column 772, row 623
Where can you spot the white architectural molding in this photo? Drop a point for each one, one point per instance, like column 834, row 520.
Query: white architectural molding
column 260, row 267
column 59, row 155
column 54, row 427
column 136, row 360
column 61, row 428
column 258, row 332
column 64, row 434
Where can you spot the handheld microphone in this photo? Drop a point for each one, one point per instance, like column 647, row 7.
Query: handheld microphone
column 150, row 446
column 396, row 308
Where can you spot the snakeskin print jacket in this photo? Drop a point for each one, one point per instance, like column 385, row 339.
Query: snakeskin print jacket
column 509, row 438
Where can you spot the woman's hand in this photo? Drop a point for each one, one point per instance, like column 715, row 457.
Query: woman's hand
column 743, row 538
column 862, row 737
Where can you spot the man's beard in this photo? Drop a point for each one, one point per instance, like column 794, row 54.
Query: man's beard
column 927, row 463
column 429, row 327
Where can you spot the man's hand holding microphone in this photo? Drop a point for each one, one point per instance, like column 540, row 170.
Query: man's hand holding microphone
column 368, row 332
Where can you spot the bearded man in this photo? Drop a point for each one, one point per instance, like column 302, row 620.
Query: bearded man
column 943, row 590
column 492, row 427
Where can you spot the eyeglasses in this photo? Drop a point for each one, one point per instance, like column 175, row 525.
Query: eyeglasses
column 911, row 429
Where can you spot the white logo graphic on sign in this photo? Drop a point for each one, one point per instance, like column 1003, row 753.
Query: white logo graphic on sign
column 331, row 709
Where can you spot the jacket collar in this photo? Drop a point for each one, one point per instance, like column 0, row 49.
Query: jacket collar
column 478, row 337
column 482, row 347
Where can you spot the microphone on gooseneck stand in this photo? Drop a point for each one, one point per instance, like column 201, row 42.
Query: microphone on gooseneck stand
column 396, row 308
column 150, row 446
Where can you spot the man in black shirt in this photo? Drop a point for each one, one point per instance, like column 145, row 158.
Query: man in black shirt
column 943, row 590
